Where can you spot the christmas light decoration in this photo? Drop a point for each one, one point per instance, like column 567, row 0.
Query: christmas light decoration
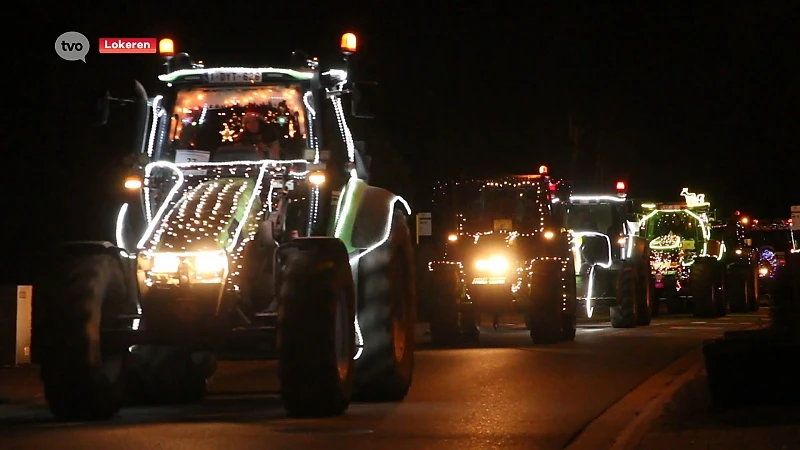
column 313, row 140
column 179, row 177
column 343, row 127
column 174, row 190
column 157, row 114
column 578, row 241
column 666, row 242
column 578, row 259
column 120, row 226
column 694, row 200
column 388, row 230
column 594, row 199
column 338, row 74
column 280, row 105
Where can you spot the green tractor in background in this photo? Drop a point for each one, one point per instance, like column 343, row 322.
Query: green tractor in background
column 698, row 264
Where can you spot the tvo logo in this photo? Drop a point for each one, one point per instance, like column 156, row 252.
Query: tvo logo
column 72, row 46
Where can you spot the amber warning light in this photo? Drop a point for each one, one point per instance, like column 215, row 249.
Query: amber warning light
column 349, row 43
column 542, row 170
column 166, row 47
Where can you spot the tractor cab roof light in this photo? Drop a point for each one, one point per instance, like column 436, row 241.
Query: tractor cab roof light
column 349, row 43
column 166, row 47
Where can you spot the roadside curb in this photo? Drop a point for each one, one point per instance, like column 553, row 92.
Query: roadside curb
column 622, row 425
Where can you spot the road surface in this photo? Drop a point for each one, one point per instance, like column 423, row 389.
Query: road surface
column 506, row 394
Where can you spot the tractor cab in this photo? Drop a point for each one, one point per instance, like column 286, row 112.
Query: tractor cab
column 258, row 113
column 477, row 220
column 492, row 209
column 612, row 216
column 680, row 227
column 773, row 241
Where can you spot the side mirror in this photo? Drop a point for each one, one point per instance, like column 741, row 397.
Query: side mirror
column 133, row 159
column 365, row 99
column 100, row 109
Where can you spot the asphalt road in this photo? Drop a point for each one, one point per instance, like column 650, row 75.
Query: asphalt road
column 506, row 393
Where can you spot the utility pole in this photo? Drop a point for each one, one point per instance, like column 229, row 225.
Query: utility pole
column 576, row 130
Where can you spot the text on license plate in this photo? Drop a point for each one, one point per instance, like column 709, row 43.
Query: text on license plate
column 234, row 77
column 489, row 280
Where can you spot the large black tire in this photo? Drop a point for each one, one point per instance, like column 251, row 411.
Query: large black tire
column 387, row 316
column 738, row 283
column 644, row 296
column 468, row 322
column 83, row 380
column 655, row 309
column 675, row 304
column 443, row 305
column 753, row 301
column 162, row 375
column 706, row 294
column 623, row 314
column 546, row 302
column 569, row 315
column 316, row 330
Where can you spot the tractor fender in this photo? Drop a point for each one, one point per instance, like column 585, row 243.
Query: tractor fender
column 373, row 221
column 326, row 245
column 127, row 261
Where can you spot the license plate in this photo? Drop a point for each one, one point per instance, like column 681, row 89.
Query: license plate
column 234, row 77
column 489, row 280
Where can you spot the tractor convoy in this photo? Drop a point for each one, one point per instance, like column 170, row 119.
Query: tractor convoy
column 499, row 244
column 249, row 220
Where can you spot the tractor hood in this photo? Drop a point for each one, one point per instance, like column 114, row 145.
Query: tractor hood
column 209, row 217
column 206, row 211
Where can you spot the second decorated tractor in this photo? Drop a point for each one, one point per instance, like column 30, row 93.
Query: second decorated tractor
column 506, row 251
column 611, row 261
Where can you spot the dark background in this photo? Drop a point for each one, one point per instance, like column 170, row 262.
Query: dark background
column 664, row 97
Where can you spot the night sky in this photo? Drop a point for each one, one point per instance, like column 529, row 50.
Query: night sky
column 706, row 98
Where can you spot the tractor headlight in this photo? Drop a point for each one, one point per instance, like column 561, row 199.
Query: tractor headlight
column 496, row 265
column 193, row 267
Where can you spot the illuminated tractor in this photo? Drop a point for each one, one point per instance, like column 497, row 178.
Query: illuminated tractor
column 506, row 252
column 688, row 261
column 275, row 243
column 612, row 262
column 773, row 242
column 740, row 261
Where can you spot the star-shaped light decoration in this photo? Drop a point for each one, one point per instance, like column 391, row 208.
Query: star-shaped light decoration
column 227, row 134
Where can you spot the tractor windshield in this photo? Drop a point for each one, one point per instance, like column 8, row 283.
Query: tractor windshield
column 507, row 209
column 245, row 123
column 602, row 217
column 668, row 229
column 780, row 240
